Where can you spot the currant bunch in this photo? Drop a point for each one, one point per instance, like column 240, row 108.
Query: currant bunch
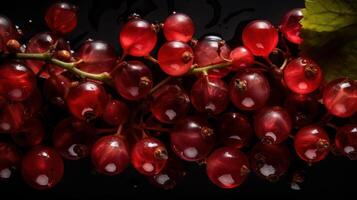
column 226, row 106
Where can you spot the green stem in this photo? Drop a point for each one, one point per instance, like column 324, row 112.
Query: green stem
column 70, row 66
column 210, row 67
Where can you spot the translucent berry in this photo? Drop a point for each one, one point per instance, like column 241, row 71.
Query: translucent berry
column 241, row 57
column 149, row 156
column 235, row 130
column 192, row 139
column 61, row 17
column 312, row 144
column 249, row 90
column 110, row 155
column 116, row 112
column 260, row 37
column 170, row 103
column 87, row 100
column 340, row 97
column 270, row 161
column 227, row 167
column 42, row 168
column 175, row 58
column 346, row 141
column 97, row 56
column 56, row 89
column 8, row 31
column 137, row 37
column 179, row 27
column 302, row 75
column 209, row 94
column 10, row 160
column 291, row 27
column 12, row 117
column 17, row 82
column 133, row 80
column 272, row 125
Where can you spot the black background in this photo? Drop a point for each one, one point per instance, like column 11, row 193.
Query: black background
column 101, row 20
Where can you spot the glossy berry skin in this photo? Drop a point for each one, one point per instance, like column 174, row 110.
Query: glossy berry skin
column 149, row 156
column 175, row 58
column 249, row 90
column 346, row 141
column 137, row 37
column 170, row 104
column 41, row 43
column 260, row 37
column 12, row 117
column 178, row 27
column 116, row 112
column 30, row 134
column 272, row 125
column 311, row 143
column 270, row 161
column 170, row 176
column 98, row 57
column 303, row 109
column 56, row 89
column 61, row 17
column 10, row 160
column 291, row 27
column 73, row 139
column 340, row 97
column 8, row 31
column 227, row 167
column 241, row 57
column 302, row 75
column 87, row 100
column 192, row 139
column 211, row 50
column 17, row 82
column 209, row 94
column 110, row 155
column 133, row 80
column 42, row 168
column 235, row 130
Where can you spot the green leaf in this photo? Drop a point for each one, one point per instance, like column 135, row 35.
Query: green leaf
column 330, row 36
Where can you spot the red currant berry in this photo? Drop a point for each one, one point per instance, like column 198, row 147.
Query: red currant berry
column 12, row 117
column 149, row 156
column 9, row 160
column 260, row 37
column 291, row 27
column 133, row 80
column 249, row 90
column 61, row 17
column 116, row 113
column 312, row 144
column 192, row 139
column 17, row 82
column 227, row 167
column 179, row 27
column 241, row 57
column 302, row 75
column 8, row 31
column 272, row 125
column 346, row 141
column 56, row 89
column 31, row 133
column 73, row 139
column 270, row 161
column 42, row 168
column 209, row 94
column 175, row 58
column 170, row 103
column 97, row 56
column 340, row 97
column 110, row 155
column 212, row 50
column 137, row 38
column 87, row 100
column 235, row 130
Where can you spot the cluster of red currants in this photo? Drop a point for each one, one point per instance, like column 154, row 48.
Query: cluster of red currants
column 118, row 114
